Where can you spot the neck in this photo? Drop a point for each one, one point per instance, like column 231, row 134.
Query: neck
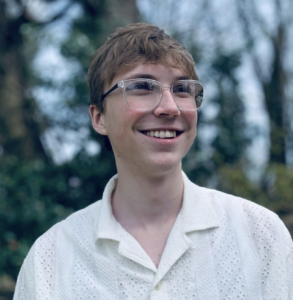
column 147, row 200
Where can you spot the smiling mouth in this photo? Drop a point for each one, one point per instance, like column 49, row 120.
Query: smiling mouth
column 162, row 134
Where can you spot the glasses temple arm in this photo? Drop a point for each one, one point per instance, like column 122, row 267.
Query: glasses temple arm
column 110, row 91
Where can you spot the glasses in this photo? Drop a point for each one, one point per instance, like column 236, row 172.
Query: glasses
column 146, row 94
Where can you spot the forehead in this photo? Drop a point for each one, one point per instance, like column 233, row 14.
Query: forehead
column 159, row 72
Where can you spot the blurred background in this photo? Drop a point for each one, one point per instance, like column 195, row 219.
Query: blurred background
column 52, row 163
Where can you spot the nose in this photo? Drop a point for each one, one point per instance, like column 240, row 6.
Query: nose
column 167, row 106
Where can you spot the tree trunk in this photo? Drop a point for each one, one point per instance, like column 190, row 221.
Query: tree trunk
column 19, row 131
column 275, row 99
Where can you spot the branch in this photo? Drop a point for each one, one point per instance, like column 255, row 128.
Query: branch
column 250, row 40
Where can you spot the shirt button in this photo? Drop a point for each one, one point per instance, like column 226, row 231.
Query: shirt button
column 158, row 286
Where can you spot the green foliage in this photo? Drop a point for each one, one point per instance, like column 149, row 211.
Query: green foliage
column 274, row 191
column 278, row 187
column 227, row 147
column 231, row 140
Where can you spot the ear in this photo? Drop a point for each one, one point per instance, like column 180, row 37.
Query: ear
column 98, row 120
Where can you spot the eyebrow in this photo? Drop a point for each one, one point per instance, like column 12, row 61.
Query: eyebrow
column 149, row 76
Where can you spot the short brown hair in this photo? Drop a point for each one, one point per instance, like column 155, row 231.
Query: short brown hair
column 129, row 46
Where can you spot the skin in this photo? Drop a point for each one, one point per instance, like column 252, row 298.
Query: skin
column 148, row 195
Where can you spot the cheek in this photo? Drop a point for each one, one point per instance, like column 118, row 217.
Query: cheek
column 123, row 121
column 191, row 118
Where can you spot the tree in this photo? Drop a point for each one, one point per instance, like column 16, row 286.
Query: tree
column 274, row 75
column 20, row 133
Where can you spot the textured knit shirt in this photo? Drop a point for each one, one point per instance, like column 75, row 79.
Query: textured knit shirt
column 220, row 247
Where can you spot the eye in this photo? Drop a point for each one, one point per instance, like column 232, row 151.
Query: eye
column 141, row 86
column 182, row 88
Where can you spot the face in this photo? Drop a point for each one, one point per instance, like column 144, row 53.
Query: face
column 130, row 132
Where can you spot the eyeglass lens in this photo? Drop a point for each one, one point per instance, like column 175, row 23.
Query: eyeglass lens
column 145, row 94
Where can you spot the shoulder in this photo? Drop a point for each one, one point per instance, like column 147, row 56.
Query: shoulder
column 263, row 225
column 48, row 263
column 246, row 217
column 226, row 205
column 233, row 205
column 235, row 214
column 256, row 237
column 80, row 223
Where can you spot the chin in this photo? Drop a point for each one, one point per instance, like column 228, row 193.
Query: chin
column 163, row 164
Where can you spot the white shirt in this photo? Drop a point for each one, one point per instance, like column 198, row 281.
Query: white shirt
column 220, row 247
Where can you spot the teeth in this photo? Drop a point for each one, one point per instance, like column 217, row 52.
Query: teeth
column 162, row 134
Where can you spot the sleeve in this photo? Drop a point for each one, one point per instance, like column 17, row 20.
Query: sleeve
column 25, row 285
column 288, row 245
column 274, row 247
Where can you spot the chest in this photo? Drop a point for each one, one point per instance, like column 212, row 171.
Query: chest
column 202, row 271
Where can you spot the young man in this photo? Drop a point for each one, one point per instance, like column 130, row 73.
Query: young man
column 156, row 235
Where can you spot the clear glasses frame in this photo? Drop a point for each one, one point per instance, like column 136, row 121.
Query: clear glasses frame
column 122, row 85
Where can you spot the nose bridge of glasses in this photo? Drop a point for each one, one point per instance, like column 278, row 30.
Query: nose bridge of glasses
column 169, row 88
column 166, row 87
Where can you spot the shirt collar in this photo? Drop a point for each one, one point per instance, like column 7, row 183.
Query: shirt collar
column 197, row 211
column 106, row 224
